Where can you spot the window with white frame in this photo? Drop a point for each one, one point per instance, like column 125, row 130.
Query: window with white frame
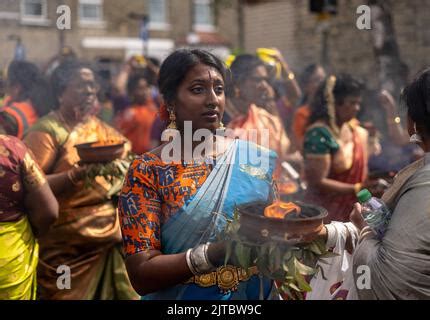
column 157, row 12
column 34, row 9
column 204, row 17
column 90, row 11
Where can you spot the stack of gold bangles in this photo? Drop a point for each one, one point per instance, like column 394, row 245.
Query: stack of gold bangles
column 206, row 274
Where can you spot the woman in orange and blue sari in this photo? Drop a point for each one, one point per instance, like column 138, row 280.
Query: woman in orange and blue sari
column 173, row 213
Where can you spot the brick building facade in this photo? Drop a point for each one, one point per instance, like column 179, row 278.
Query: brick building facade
column 285, row 24
column 289, row 26
column 109, row 29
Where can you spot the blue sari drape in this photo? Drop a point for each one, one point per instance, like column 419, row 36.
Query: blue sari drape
column 234, row 180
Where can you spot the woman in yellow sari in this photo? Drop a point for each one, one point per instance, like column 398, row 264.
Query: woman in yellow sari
column 86, row 238
column 27, row 209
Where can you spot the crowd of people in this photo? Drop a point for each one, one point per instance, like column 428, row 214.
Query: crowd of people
column 152, row 231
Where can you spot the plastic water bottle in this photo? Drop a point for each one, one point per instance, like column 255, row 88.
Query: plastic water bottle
column 375, row 212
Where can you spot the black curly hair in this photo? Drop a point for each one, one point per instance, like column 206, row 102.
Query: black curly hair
column 345, row 86
column 415, row 97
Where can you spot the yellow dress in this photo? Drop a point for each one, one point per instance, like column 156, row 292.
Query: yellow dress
column 18, row 246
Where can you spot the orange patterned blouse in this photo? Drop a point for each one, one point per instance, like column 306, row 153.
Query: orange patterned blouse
column 153, row 192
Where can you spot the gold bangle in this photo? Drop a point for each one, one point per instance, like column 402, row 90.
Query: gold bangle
column 291, row 76
column 357, row 187
column 72, row 177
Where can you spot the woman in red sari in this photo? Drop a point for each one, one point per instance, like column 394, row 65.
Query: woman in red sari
column 335, row 148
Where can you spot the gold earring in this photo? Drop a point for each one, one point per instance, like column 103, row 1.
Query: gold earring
column 221, row 125
column 172, row 118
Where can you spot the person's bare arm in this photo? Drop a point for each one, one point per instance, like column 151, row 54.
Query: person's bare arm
column 317, row 169
column 151, row 271
column 292, row 87
column 42, row 209
column 120, row 82
column 121, row 79
column 60, row 182
column 39, row 201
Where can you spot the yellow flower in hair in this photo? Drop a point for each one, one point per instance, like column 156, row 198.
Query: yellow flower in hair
column 331, row 103
column 230, row 60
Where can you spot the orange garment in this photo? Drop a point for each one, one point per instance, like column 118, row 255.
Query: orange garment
column 300, row 123
column 87, row 236
column 260, row 119
column 152, row 193
column 136, row 123
column 23, row 114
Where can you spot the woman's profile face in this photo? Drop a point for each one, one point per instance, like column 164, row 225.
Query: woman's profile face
column 80, row 95
column 200, row 98
column 348, row 109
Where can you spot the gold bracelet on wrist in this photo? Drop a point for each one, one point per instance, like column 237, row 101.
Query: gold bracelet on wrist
column 357, row 187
